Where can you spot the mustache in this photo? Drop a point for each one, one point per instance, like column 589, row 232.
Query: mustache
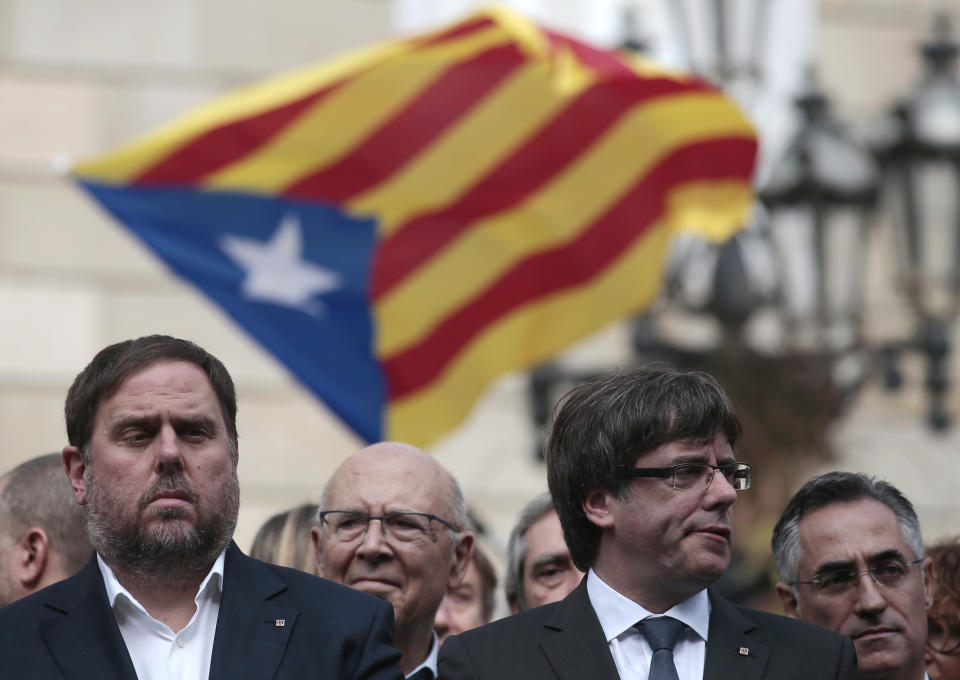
column 172, row 482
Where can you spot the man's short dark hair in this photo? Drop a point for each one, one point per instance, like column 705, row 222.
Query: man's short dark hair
column 112, row 365
column 488, row 582
column 836, row 488
column 517, row 548
column 602, row 426
column 37, row 493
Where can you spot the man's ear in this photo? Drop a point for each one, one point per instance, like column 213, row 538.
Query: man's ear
column 598, row 508
column 462, row 554
column 317, row 549
column 788, row 597
column 75, row 467
column 34, row 556
column 926, row 571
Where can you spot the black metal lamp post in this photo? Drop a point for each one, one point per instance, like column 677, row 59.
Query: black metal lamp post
column 820, row 197
column 921, row 161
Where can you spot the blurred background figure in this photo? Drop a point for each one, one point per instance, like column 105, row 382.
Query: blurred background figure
column 43, row 532
column 539, row 567
column 469, row 604
column 284, row 539
column 943, row 617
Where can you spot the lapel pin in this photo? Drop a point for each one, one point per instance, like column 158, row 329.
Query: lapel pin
column 744, row 651
column 280, row 623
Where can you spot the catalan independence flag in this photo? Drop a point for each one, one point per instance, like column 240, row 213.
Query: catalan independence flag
column 402, row 225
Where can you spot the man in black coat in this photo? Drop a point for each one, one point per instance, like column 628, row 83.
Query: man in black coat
column 642, row 470
column 153, row 459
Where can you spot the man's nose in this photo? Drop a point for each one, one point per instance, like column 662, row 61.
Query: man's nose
column 721, row 491
column 373, row 543
column 870, row 596
column 168, row 450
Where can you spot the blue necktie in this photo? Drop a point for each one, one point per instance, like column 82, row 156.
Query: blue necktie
column 422, row 674
column 662, row 633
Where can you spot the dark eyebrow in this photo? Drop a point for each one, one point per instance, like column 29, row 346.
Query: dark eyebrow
column 551, row 558
column 201, row 420
column 876, row 558
column 141, row 421
column 886, row 556
column 839, row 565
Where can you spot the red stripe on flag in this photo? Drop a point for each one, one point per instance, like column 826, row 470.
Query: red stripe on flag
column 570, row 265
column 458, row 31
column 598, row 60
column 544, row 155
column 385, row 151
column 221, row 146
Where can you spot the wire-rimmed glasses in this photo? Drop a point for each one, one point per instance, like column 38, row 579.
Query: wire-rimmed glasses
column 889, row 573
column 404, row 527
column 697, row 475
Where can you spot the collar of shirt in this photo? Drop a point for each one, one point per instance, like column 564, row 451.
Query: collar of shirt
column 211, row 585
column 431, row 660
column 618, row 613
column 157, row 652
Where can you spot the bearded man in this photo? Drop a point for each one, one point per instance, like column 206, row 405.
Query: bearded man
column 153, row 459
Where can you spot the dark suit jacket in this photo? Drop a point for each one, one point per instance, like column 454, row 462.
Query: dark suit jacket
column 68, row 631
column 565, row 641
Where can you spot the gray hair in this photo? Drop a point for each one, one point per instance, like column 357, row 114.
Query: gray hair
column 829, row 489
column 38, row 494
column 517, row 547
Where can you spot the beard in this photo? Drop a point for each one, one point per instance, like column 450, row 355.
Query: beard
column 172, row 548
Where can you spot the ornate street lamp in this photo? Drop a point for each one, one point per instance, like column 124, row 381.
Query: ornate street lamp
column 820, row 196
column 920, row 156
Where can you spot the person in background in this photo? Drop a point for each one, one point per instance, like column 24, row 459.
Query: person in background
column 851, row 559
column 393, row 523
column 469, row 604
column 43, row 532
column 539, row 567
column 943, row 615
column 284, row 539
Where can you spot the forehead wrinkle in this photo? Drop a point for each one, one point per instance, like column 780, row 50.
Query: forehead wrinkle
column 385, row 484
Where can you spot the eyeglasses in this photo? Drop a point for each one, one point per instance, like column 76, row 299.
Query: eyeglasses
column 404, row 527
column 697, row 475
column 839, row 582
column 942, row 637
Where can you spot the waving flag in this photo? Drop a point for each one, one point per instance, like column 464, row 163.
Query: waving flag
column 402, row 225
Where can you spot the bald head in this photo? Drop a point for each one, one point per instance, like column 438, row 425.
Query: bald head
column 410, row 559
column 43, row 532
column 399, row 466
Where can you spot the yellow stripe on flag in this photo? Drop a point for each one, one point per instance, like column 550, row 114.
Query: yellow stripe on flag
column 347, row 117
column 459, row 159
column 129, row 161
column 556, row 214
column 529, row 335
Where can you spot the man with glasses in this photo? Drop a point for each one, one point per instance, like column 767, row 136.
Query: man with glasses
column 850, row 556
column 642, row 470
column 393, row 523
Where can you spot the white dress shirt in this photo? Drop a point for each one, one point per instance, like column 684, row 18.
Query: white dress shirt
column 431, row 660
column 157, row 652
column 631, row 651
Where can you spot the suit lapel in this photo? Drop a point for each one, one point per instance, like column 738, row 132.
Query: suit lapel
column 732, row 652
column 574, row 642
column 252, row 630
column 86, row 642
